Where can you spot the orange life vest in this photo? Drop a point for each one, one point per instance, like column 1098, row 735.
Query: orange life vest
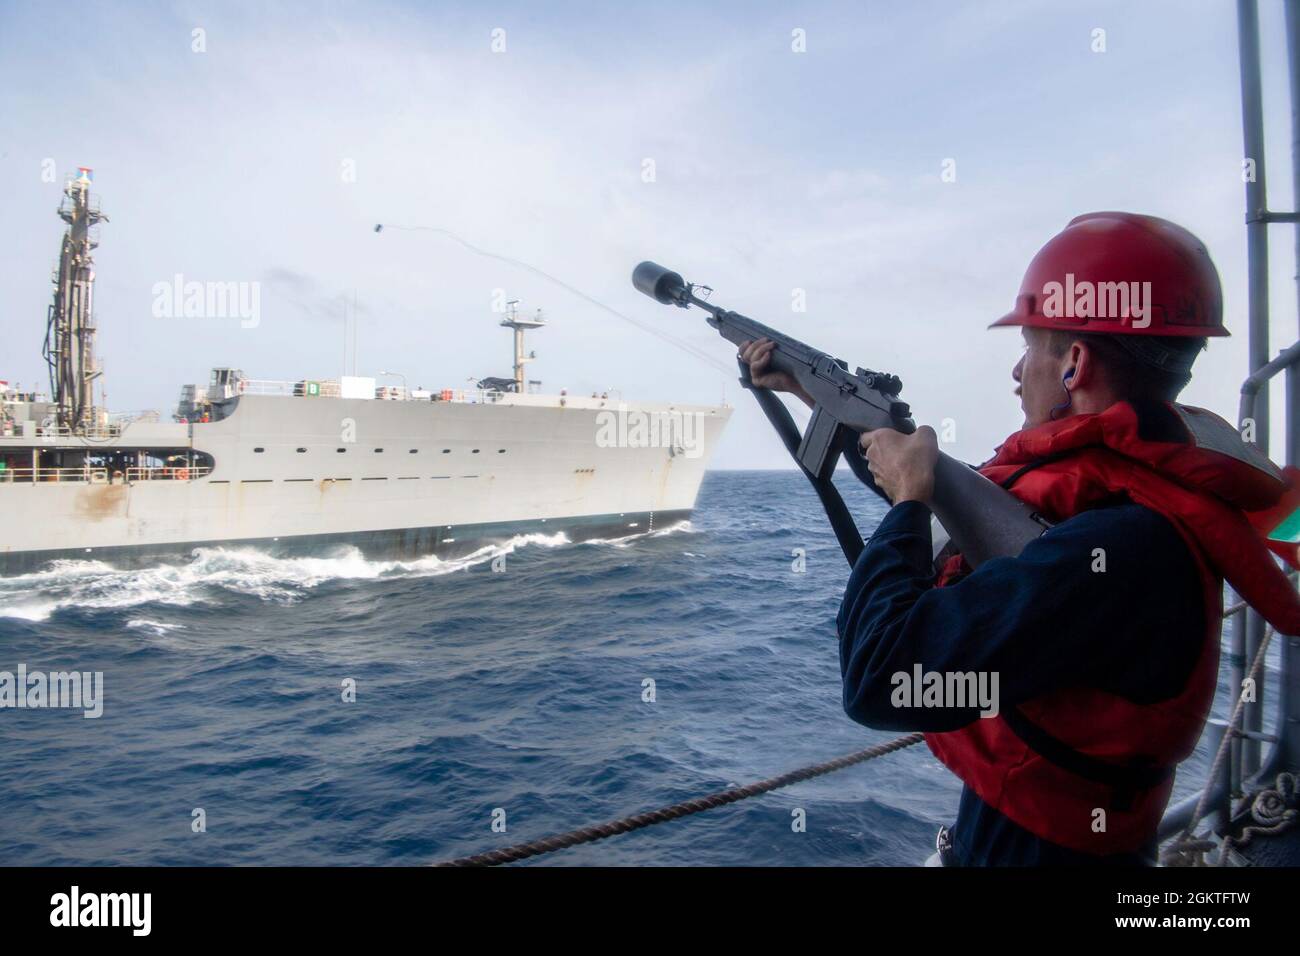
column 1054, row 762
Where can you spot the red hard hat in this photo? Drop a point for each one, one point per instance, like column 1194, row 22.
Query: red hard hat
column 1121, row 273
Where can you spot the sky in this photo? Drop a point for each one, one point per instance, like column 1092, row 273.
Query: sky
column 261, row 143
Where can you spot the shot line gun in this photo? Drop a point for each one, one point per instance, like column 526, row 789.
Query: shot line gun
column 983, row 520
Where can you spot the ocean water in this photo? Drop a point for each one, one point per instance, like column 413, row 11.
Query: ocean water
column 479, row 694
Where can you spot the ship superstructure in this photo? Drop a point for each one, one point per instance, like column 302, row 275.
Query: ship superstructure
column 300, row 466
column 70, row 326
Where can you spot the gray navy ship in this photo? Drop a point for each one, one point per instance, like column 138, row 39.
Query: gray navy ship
column 306, row 465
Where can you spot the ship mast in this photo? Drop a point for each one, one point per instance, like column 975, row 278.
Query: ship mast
column 514, row 321
column 70, row 325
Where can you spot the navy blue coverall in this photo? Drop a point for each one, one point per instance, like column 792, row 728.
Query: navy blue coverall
column 1043, row 621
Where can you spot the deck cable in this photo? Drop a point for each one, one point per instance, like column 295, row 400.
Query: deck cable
column 589, row 834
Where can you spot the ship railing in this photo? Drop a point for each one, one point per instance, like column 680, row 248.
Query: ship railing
column 469, row 396
column 302, row 388
column 398, row 393
column 27, row 475
column 102, row 476
column 327, row 389
column 120, row 420
column 485, row 396
column 308, row 388
column 166, row 473
column 63, row 431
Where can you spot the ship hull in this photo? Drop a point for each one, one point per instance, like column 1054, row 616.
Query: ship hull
column 397, row 480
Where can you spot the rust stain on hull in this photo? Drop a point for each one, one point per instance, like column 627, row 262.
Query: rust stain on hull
column 97, row 502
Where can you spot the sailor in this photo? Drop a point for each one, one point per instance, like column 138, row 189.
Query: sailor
column 1101, row 639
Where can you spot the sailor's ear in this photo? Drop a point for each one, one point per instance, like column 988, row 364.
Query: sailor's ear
column 1078, row 366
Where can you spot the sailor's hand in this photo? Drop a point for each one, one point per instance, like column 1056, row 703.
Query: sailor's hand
column 903, row 465
column 758, row 356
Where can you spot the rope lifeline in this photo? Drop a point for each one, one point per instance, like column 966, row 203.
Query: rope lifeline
column 1188, row 848
column 522, row 851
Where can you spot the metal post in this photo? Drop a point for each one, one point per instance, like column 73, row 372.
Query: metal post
column 1292, row 10
column 519, row 359
column 1252, row 119
column 1286, row 754
column 1221, row 805
column 1236, row 671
